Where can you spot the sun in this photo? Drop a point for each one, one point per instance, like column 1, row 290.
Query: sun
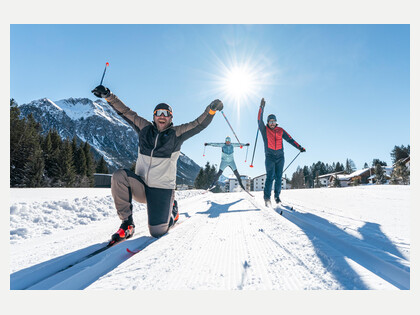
column 239, row 83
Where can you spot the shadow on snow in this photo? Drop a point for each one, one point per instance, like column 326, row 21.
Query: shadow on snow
column 216, row 209
column 375, row 251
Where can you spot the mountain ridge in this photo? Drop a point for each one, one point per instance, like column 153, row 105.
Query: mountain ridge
column 96, row 123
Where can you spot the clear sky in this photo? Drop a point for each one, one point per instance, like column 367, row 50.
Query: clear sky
column 341, row 91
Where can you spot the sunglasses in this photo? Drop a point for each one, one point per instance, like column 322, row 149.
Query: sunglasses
column 272, row 121
column 165, row 113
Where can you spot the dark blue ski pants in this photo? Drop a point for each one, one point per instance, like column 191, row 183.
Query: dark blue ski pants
column 274, row 169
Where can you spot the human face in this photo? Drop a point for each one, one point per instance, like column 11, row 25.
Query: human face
column 162, row 122
column 272, row 123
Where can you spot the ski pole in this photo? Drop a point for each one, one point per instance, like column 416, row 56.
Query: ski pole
column 106, row 65
column 204, row 152
column 255, row 145
column 246, row 156
column 291, row 162
column 231, row 128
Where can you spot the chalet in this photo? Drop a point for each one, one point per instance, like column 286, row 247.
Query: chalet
column 325, row 179
column 362, row 176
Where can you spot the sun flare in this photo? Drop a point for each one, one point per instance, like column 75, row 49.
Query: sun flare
column 239, row 83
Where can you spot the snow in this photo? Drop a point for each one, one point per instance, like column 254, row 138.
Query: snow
column 83, row 108
column 352, row 238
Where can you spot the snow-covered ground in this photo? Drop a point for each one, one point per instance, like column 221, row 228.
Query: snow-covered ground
column 333, row 239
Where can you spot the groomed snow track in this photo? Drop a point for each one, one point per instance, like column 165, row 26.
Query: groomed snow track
column 228, row 241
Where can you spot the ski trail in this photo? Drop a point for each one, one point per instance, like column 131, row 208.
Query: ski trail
column 82, row 274
column 382, row 264
column 222, row 246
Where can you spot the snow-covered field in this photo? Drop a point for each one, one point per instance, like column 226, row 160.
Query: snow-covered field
column 333, row 239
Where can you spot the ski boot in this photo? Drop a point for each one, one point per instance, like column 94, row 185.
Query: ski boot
column 277, row 199
column 175, row 213
column 267, row 203
column 125, row 231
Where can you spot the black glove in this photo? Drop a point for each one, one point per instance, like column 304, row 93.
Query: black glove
column 302, row 149
column 205, row 143
column 262, row 105
column 101, row 91
column 247, row 144
column 216, row 105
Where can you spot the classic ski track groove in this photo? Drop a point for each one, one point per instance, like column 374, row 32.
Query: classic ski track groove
column 374, row 264
column 197, row 265
column 60, row 272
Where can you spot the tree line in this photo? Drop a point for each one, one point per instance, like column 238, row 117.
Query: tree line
column 38, row 160
column 308, row 176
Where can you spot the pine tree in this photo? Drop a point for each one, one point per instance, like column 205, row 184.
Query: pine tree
column 337, row 182
column 379, row 172
column 377, row 161
column 399, row 153
column 90, row 164
column 52, row 164
column 67, row 169
column 400, row 174
column 102, row 167
column 80, row 162
column 17, row 131
column 350, row 166
column 199, row 180
column 366, row 165
column 317, row 182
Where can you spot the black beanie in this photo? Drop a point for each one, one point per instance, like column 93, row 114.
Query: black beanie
column 163, row 106
column 271, row 116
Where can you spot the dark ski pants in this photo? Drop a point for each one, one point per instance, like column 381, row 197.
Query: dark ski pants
column 126, row 186
column 274, row 168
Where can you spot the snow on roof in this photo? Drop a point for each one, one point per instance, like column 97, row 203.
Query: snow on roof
column 330, row 174
column 358, row 172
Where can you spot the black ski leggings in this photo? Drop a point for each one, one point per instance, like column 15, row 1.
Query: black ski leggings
column 126, row 186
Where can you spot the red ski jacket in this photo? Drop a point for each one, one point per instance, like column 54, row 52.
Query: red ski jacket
column 273, row 138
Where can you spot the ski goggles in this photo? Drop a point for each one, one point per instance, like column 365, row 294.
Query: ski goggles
column 164, row 112
column 272, row 121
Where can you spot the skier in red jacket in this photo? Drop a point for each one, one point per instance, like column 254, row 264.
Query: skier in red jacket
column 273, row 136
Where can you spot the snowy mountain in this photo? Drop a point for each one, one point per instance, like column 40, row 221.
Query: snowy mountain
column 353, row 238
column 98, row 124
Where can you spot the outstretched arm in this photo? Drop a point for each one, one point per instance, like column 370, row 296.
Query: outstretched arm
column 214, row 144
column 261, row 124
column 289, row 139
column 135, row 121
column 190, row 129
column 239, row 144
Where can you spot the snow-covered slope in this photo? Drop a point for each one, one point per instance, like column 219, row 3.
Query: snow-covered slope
column 334, row 238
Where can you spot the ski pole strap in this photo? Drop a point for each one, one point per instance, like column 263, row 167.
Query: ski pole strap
column 231, row 127
column 291, row 162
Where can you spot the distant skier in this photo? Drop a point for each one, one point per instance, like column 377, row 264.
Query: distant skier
column 154, row 180
column 227, row 160
column 274, row 154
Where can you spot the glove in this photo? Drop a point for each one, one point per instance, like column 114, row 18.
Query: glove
column 205, row 143
column 216, row 105
column 101, row 91
column 262, row 105
column 302, row 149
column 247, row 144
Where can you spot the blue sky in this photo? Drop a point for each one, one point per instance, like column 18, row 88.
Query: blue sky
column 341, row 91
